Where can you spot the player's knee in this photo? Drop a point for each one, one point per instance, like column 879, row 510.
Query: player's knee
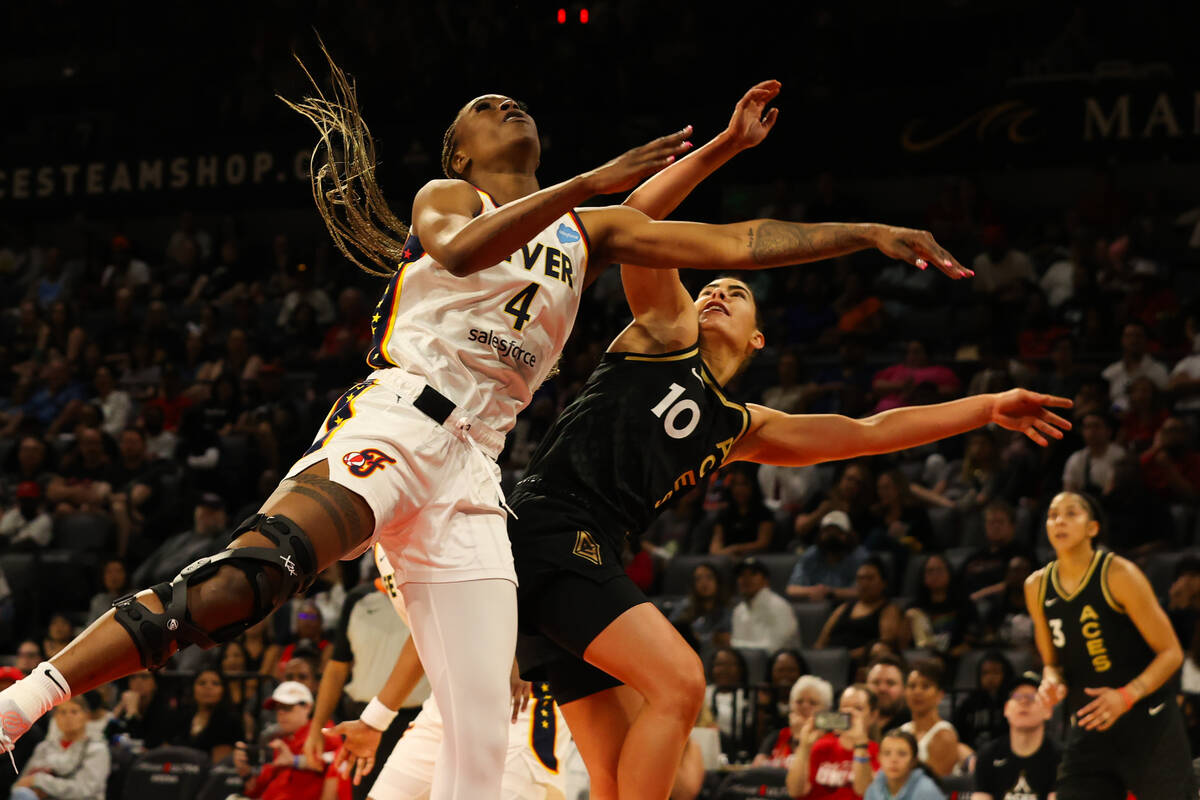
column 691, row 685
column 680, row 688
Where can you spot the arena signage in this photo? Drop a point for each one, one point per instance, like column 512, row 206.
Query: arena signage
column 110, row 179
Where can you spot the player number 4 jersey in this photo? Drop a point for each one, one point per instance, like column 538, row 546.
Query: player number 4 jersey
column 486, row 340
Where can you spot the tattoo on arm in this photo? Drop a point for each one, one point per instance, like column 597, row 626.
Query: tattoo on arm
column 777, row 243
column 347, row 522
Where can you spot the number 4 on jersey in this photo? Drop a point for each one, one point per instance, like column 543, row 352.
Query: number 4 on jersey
column 518, row 305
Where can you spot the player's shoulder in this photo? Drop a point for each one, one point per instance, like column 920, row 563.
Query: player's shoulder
column 1037, row 576
column 448, row 194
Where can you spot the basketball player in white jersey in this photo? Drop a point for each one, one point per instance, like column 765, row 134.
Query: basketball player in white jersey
column 482, row 293
column 539, row 742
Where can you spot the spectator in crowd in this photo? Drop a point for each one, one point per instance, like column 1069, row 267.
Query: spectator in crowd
column 1184, row 382
column 1001, row 269
column 286, row 774
column 975, row 480
column 116, row 407
column 1171, row 466
column 731, row 703
column 1092, row 469
column 1006, row 618
column 85, row 479
column 243, row 691
column 761, row 618
column 53, row 405
column 788, row 395
column 851, row 495
column 808, row 695
column 1023, row 762
column 885, row 677
column 1065, row 377
column 59, row 633
column 707, row 612
column 137, row 486
column 941, row 618
column 145, row 712
column 1134, row 363
column 29, row 655
column 837, row 763
column 901, row 523
column 828, row 569
column 310, row 635
column 786, row 489
column 206, row 721
column 979, row 717
column 209, row 524
column 1142, row 419
column 783, row 670
column 115, row 580
column 261, row 650
column 304, row 667
column 1183, row 607
column 937, row 740
column 913, row 380
column 984, row 570
column 72, row 765
column 678, row 528
column 870, row 616
column 31, row 464
column 1139, row 522
column 745, row 525
column 26, row 525
column 902, row 775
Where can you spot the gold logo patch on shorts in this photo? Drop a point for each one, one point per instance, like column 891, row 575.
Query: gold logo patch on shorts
column 586, row 547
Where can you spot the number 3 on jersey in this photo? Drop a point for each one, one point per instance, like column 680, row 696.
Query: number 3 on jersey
column 518, row 305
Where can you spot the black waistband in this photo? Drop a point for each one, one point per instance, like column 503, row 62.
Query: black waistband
column 434, row 404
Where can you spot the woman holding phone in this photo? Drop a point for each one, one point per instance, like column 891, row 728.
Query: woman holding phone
column 837, row 758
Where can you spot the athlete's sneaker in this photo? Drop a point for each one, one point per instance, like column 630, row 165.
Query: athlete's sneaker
column 13, row 725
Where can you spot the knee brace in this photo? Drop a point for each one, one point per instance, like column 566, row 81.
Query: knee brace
column 274, row 574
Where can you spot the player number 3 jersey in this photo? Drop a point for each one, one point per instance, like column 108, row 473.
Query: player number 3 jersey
column 487, row 340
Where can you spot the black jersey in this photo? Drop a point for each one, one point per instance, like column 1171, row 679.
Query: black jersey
column 1097, row 642
column 1007, row 776
column 643, row 428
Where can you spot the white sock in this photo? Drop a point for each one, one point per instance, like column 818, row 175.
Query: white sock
column 40, row 691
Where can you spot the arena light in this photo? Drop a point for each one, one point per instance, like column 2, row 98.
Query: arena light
column 562, row 16
column 583, row 16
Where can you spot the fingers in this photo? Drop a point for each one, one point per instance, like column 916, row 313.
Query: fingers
column 1050, row 416
column 769, row 120
column 1036, row 437
column 937, row 255
column 1055, row 401
column 1091, row 692
column 362, row 768
column 1048, row 429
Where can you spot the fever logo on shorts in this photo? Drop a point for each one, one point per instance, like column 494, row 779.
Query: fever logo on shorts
column 364, row 462
column 586, row 547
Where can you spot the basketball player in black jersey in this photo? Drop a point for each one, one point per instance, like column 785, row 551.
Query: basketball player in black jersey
column 654, row 420
column 1108, row 649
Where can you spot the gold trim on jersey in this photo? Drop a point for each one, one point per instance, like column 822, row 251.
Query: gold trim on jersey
column 1112, row 601
column 716, row 387
column 677, row 355
column 1043, row 582
column 1097, row 557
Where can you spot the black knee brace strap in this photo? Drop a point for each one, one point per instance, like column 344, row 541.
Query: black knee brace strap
column 292, row 556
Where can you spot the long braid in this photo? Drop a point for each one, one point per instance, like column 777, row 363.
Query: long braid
column 342, row 168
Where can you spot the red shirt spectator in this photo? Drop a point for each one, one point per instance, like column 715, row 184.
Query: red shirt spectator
column 831, row 769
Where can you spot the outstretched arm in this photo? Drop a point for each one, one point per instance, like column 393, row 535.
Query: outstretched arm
column 447, row 213
column 658, row 299
column 800, row 439
column 625, row 235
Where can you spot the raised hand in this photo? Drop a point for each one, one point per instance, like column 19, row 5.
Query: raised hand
column 627, row 170
column 1022, row 410
column 748, row 126
column 917, row 248
column 1052, row 691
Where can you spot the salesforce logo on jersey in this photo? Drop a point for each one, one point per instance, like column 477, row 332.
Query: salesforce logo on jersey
column 505, row 348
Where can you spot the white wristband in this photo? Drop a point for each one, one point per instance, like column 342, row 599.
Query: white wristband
column 377, row 715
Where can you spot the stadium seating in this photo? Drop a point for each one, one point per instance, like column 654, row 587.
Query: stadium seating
column 167, row 773
column 832, row 664
column 811, row 618
column 756, row 782
column 86, row 532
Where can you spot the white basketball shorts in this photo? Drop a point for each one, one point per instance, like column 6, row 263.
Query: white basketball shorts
column 434, row 488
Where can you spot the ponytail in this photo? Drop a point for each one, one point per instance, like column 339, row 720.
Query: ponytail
column 342, row 170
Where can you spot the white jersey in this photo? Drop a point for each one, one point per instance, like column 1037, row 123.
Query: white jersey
column 487, row 340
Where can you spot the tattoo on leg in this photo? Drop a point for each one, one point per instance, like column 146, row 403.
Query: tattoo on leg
column 347, row 522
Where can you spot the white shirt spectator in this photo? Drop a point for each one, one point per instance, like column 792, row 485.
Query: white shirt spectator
column 115, row 408
column 15, row 528
column 1189, row 368
column 766, row 621
column 1014, row 267
column 1059, row 282
column 787, row 487
column 1100, row 469
column 1120, row 376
